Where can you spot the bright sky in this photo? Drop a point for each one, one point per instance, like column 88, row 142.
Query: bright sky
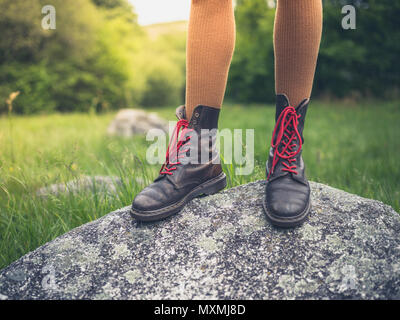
column 156, row 11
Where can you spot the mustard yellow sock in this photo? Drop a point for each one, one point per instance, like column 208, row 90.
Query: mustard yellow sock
column 297, row 36
column 210, row 45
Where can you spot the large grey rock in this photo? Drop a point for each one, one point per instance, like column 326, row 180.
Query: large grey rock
column 221, row 246
column 100, row 184
column 129, row 122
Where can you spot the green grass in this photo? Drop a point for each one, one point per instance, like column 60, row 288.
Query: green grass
column 355, row 148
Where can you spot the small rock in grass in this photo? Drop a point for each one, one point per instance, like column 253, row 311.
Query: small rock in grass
column 102, row 184
column 129, row 122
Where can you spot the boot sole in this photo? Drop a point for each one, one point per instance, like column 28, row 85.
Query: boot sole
column 288, row 222
column 209, row 187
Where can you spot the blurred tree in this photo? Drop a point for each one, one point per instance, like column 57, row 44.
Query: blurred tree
column 82, row 65
column 99, row 58
column 357, row 63
column 251, row 76
column 364, row 61
column 112, row 3
column 21, row 38
column 163, row 67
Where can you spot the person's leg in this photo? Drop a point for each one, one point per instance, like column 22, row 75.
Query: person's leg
column 297, row 35
column 210, row 45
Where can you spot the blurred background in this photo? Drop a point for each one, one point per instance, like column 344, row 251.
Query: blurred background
column 60, row 90
column 100, row 58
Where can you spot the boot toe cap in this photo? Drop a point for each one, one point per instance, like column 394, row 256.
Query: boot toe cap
column 285, row 209
column 149, row 199
column 287, row 200
column 144, row 203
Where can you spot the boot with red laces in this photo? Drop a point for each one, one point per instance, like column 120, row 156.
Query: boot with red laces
column 192, row 167
column 287, row 192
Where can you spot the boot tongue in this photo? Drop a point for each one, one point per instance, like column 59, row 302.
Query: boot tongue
column 282, row 102
column 203, row 117
column 181, row 113
column 301, row 109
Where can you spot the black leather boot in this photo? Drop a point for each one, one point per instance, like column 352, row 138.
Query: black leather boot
column 184, row 175
column 287, row 193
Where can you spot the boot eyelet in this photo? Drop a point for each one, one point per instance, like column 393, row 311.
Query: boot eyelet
column 196, row 114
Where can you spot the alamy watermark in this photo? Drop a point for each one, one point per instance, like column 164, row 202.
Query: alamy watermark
column 350, row 19
column 349, row 279
column 238, row 147
column 49, row 20
column 49, row 280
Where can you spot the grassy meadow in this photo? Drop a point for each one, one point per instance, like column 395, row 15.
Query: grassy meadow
column 348, row 146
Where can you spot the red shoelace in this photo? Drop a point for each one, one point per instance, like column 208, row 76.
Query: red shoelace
column 286, row 136
column 175, row 150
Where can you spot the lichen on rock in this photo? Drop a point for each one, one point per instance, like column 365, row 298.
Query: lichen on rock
column 221, row 247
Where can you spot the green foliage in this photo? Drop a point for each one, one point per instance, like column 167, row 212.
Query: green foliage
column 99, row 58
column 163, row 68
column 362, row 61
column 82, row 65
column 34, row 80
column 78, row 145
column 252, row 75
column 163, row 84
column 351, row 63
column 112, row 3
column 21, row 38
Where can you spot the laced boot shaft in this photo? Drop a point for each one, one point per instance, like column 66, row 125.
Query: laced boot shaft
column 285, row 156
column 186, row 172
column 286, row 141
column 287, row 193
column 177, row 147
